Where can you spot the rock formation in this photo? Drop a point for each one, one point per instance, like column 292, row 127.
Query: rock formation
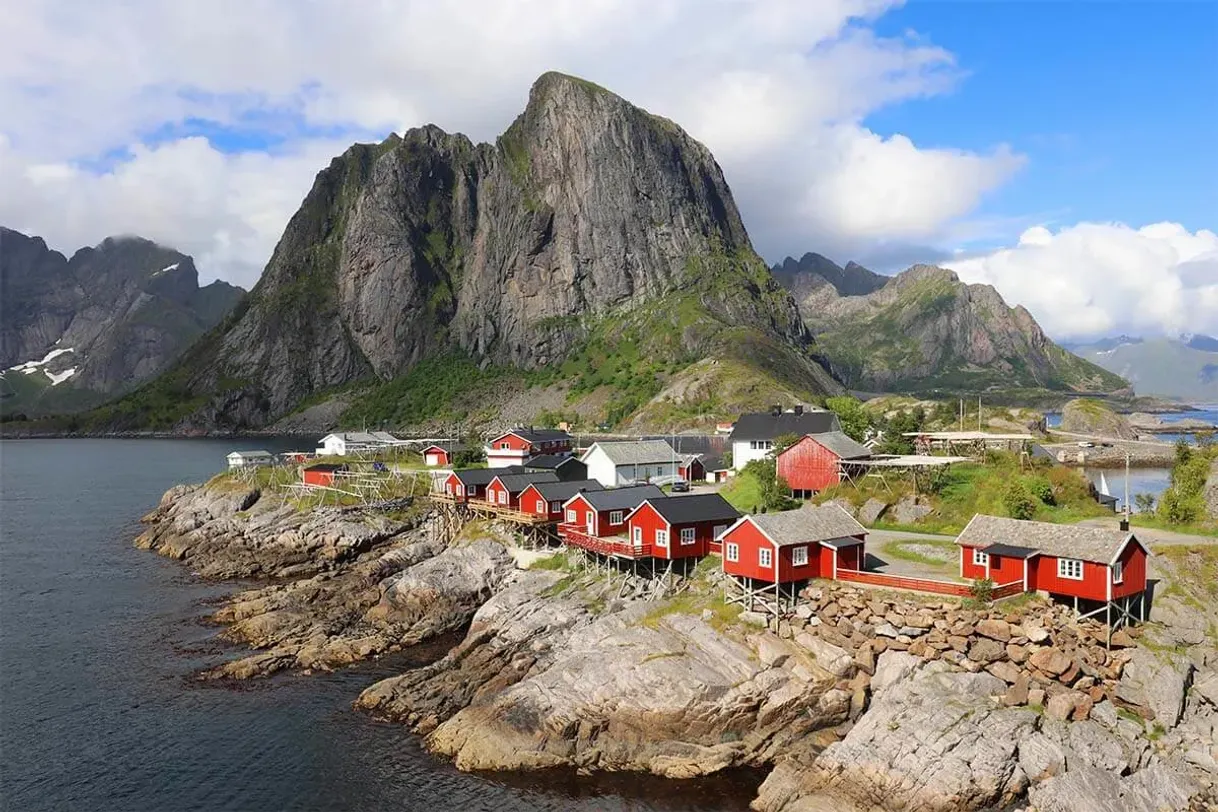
column 589, row 221
column 924, row 329
column 115, row 315
column 1091, row 417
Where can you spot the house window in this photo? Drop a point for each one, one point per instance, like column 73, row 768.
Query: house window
column 662, row 538
column 980, row 559
column 505, row 445
column 503, row 497
column 541, row 506
column 765, row 557
column 448, row 488
column 799, row 557
column 718, row 532
column 637, row 534
column 1070, row 568
column 615, row 517
column 555, row 507
column 460, row 489
column 687, row 535
column 571, row 517
column 733, row 552
column 1118, row 572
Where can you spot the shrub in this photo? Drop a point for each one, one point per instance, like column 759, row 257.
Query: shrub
column 982, row 590
column 1018, row 501
column 1041, row 488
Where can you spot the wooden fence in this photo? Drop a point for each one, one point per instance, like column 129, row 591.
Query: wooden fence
column 950, row 588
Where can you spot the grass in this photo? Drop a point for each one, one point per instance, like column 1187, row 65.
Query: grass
column 1205, row 529
column 559, row 562
column 723, row 614
column 742, row 492
column 898, row 549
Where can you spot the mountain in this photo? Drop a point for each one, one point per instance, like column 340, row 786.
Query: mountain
column 812, row 272
column 592, row 241
column 74, row 331
column 925, row 330
column 1162, row 366
column 1103, row 345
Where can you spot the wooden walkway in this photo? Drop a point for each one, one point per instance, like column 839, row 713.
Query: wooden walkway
column 492, row 509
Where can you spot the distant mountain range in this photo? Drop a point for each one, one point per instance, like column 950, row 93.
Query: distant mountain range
column 1185, row 367
column 74, row 332
column 925, row 330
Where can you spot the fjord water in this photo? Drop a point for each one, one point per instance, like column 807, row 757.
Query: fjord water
column 98, row 642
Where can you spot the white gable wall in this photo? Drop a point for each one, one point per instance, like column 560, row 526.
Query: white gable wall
column 744, row 452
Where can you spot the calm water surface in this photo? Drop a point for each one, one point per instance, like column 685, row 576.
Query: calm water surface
column 98, row 641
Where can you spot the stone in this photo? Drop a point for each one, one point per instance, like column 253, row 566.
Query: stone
column 1050, row 661
column 1156, row 682
column 908, row 510
column 1205, row 686
column 1121, row 638
column 998, row 630
column 803, row 611
column 834, row 659
column 1060, row 707
column 1016, row 654
column 958, row 642
column 886, row 630
column 1005, row 671
column 864, row 658
column 911, row 631
column 1036, row 696
column 984, row 650
column 1082, row 708
column 772, row 653
column 1041, row 758
column 829, row 611
column 754, row 619
column 892, row 667
column 1017, row 694
column 1105, row 713
column 1035, row 634
column 871, row 511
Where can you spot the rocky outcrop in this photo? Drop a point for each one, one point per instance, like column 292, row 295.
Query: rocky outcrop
column 115, row 315
column 588, row 220
column 1090, row 417
column 1209, row 494
column 924, row 329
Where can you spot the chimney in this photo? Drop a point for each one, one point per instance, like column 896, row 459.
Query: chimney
column 1124, row 525
column 775, row 410
column 799, row 408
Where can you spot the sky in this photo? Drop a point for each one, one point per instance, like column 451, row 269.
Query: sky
column 1064, row 152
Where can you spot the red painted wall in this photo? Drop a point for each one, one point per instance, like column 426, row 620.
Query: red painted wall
column 648, row 521
column 436, row 456
column 789, row 572
column 321, row 478
column 1005, row 569
column 583, row 511
column 972, row 571
column 1134, row 559
column 750, row 540
column 495, row 490
column 694, row 472
column 853, row 557
column 528, row 500
column 1043, row 576
column 514, row 443
column 808, row 466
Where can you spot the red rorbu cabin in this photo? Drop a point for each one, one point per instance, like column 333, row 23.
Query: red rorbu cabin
column 1094, row 564
column 470, row 483
column 691, row 469
column 505, row 489
column 518, row 445
column 321, row 475
column 680, row 527
column 596, row 520
column 437, row 456
column 815, row 462
column 793, row 545
column 545, row 499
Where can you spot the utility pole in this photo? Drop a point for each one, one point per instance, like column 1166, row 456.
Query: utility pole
column 962, row 414
column 979, row 413
column 1126, row 488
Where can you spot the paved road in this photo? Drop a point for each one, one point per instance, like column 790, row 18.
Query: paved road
column 1153, row 534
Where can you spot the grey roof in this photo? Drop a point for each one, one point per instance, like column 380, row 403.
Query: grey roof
column 702, row 507
column 623, row 498
column 515, row 483
column 842, row 445
column 1099, row 544
column 635, row 452
column 808, row 524
column 483, row 476
column 562, row 491
column 534, row 435
column 766, row 426
column 549, row 461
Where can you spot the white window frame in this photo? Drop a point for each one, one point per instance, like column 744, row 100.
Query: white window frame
column 687, row 536
column 1118, row 572
column 637, row 535
column 505, row 446
column 541, row 506
column 460, row 489
column 448, row 488
column 661, row 538
column 732, row 551
column 980, row 559
column 799, row 556
column 765, row 558
column 555, row 507
column 1066, row 566
column 503, row 497
column 615, row 517
column 572, row 517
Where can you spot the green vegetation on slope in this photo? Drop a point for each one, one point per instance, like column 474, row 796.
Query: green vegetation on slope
column 1183, row 503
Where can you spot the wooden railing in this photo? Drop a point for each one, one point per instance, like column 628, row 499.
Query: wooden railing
column 952, row 588
column 604, row 545
column 1007, row 590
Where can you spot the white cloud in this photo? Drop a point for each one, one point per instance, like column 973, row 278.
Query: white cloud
column 778, row 90
column 1093, row 279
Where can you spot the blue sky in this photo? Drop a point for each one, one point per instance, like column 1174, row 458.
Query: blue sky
column 1115, row 104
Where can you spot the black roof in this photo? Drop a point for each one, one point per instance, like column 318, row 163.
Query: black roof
column 536, row 435
column 703, row 507
column 515, row 483
column 623, row 498
column 549, row 461
column 451, row 448
column 483, row 476
column 327, row 466
column 712, row 462
column 562, row 491
column 767, row 426
column 1009, row 551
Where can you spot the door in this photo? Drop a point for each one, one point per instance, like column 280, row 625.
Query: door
column 591, row 523
column 637, row 535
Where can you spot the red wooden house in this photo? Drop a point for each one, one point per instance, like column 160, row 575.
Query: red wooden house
column 677, row 527
column 505, row 489
column 518, row 445
column 1094, row 564
column 470, row 483
column 690, row 468
column 596, row 520
column 321, row 475
column 438, row 456
column 545, row 499
column 815, row 462
column 794, row 545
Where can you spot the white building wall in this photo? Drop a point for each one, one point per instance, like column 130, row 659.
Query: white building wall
column 743, row 452
column 600, row 467
column 332, row 445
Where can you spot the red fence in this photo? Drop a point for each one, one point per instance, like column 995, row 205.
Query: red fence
column 955, row 590
column 608, row 545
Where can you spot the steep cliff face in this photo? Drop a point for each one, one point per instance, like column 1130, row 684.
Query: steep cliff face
column 74, row 331
column 582, row 218
column 925, row 329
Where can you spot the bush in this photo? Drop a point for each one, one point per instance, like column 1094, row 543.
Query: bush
column 1175, row 508
column 1018, row 501
column 1040, row 488
column 982, row 590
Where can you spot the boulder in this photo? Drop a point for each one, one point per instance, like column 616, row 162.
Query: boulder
column 1156, row 681
column 772, row 652
column 834, row 659
column 871, row 511
column 1017, row 694
column 892, row 667
column 1050, row 661
column 1091, row 417
column 1005, row 671
column 1061, row 707
column 984, row 650
column 998, row 630
column 908, row 510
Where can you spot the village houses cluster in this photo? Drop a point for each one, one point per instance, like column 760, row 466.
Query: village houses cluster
column 609, row 502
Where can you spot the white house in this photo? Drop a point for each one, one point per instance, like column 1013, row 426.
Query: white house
column 629, row 462
column 753, row 434
column 355, row 442
column 242, row 459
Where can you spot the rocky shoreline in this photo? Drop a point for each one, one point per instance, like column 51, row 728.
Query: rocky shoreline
column 862, row 700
